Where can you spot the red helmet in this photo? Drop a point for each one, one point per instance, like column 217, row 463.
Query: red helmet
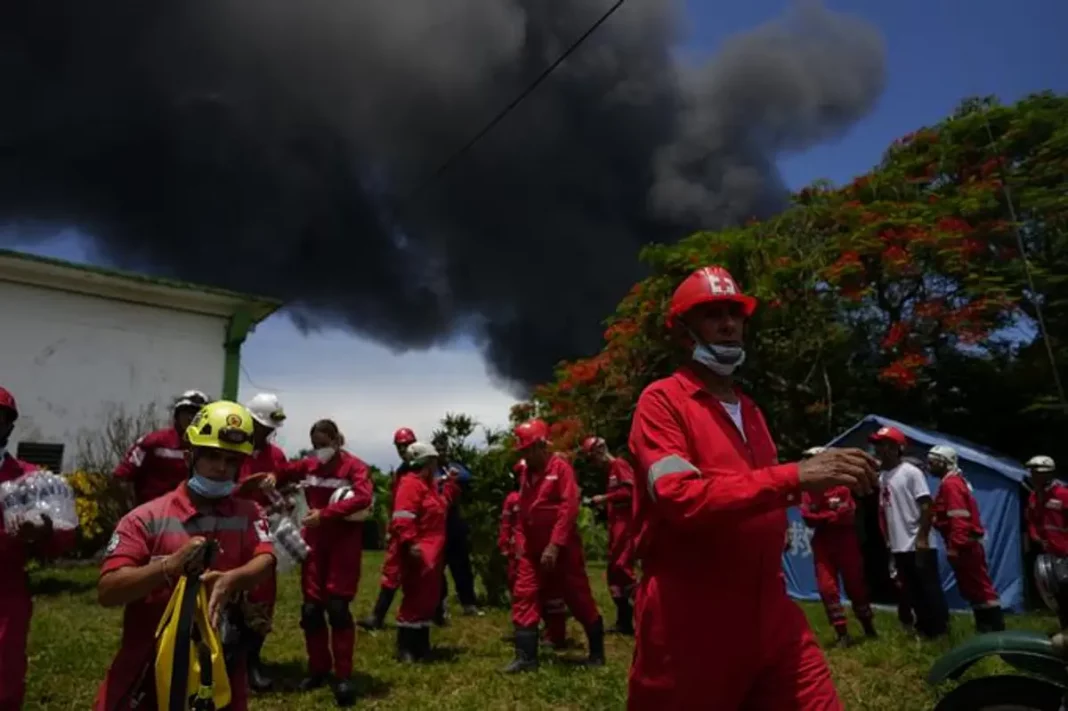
column 591, row 443
column 7, row 402
column 704, row 286
column 403, row 436
column 889, row 434
column 531, row 432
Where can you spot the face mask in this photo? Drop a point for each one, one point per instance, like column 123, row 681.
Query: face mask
column 325, row 454
column 210, row 488
column 721, row 360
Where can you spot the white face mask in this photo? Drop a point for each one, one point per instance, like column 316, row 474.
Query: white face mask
column 721, row 360
column 325, row 454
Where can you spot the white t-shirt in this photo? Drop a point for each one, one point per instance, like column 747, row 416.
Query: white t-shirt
column 900, row 489
column 734, row 409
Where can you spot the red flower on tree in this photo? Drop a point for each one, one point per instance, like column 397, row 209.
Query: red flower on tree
column 895, row 335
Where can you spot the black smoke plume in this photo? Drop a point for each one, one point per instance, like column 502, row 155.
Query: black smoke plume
column 274, row 146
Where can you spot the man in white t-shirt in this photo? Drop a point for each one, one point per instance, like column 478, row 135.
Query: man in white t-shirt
column 904, row 503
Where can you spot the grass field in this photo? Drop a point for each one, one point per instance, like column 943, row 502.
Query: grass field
column 73, row 640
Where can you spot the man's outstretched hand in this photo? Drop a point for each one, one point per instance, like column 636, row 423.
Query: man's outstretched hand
column 850, row 467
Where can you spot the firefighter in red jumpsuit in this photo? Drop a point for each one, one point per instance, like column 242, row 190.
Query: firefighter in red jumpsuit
column 506, row 540
column 955, row 515
column 163, row 539
column 1047, row 515
column 418, row 526
column 16, row 547
column 338, row 487
column 156, row 463
column 618, row 499
column 552, row 567
column 258, row 473
column 391, row 566
column 714, row 624
column 836, row 552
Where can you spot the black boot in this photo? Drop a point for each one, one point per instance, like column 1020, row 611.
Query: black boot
column 258, row 679
column 997, row 619
column 624, row 617
column 405, row 645
column 595, row 637
column 869, row 628
column 345, row 693
column 421, row 638
column 989, row 619
column 313, row 681
column 526, row 651
column 377, row 619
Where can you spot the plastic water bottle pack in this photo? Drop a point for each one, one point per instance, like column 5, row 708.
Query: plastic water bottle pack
column 36, row 495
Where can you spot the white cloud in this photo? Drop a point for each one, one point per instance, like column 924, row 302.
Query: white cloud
column 364, row 387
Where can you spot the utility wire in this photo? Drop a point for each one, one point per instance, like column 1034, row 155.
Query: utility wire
column 1035, row 296
column 460, row 152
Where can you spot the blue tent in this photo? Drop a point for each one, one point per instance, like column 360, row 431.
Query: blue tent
column 997, row 483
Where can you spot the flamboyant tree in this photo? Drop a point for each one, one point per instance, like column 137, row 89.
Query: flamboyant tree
column 903, row 292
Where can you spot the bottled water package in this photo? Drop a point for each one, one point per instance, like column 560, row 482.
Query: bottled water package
column 35, row 495
column 289, row 547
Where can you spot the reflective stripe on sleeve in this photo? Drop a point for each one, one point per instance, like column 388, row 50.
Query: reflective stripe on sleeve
column 959, row 513
column 403, row 514
column 327, row 483
column 671, row 464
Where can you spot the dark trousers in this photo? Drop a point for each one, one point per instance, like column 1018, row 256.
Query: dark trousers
column 458, row 561
column 922, row 590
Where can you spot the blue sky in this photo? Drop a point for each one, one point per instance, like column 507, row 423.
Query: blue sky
column 937, row 54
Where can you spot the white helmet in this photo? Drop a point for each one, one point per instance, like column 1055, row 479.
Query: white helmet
column 944, row 453
column 345, row 492
column 1041, row 463
column 813, row 451
column 419, row 452
column 190, row 398
column 265, row 409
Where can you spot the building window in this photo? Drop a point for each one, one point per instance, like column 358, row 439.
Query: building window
column 46, row 456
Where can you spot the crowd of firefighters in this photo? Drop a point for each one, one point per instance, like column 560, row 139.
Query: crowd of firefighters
column 703, row 511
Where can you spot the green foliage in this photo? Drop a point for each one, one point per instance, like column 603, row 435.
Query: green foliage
column 901, row 293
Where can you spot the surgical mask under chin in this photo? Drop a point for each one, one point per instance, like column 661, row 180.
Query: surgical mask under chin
column 721, row 360
column 325, row 454
column 210, row 488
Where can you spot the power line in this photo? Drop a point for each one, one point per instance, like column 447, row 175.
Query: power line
column 460, row 152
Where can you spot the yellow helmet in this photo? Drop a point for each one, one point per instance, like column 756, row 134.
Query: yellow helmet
column 222, row 425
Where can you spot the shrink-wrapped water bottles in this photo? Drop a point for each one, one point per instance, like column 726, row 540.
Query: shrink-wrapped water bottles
column 35, row 495
column 285, row 513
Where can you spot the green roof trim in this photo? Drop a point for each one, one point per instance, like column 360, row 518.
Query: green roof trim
column 142, row 278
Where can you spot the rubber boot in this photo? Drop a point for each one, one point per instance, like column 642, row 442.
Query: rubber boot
column 997, row 619
column 989, row 619
column 421, row 640
column 345, row 693
column 258, row 679
column 405, row 647
column 313, row 681
column 526, row 651
column 624, row 617
column 869, row 628
column 595, row 637
column 377, row 619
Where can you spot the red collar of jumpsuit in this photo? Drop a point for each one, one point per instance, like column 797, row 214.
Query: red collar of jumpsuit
column 152, row 531
column 714, row 621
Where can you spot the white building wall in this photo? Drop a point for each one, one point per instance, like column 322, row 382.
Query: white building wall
column 68, row 357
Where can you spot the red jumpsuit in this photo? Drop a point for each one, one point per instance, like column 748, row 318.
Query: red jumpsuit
column 618, row 504
column 1047, row 518
column 714, row 624
column 155, row 464
column 391, row 566
column 271, row 460
column 419, row 519
column 955, row 515
column 836, row 551
column 506, row 542
column 331, row 573
column 548, row 513
column 16, row 606
column 154, row 530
